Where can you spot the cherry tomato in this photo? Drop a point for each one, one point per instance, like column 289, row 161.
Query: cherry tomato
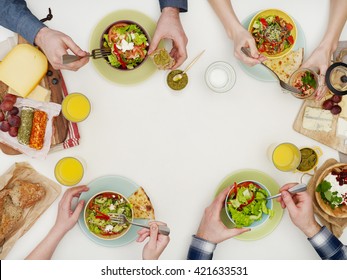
column 112, row 33
column 263, row 22
column 290, row 39
column 289, row 26
column 261, row 48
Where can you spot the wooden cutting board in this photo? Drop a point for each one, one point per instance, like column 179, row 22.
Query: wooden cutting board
column 60, row 124
column 327, row 138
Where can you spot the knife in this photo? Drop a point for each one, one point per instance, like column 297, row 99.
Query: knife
column 343, row 157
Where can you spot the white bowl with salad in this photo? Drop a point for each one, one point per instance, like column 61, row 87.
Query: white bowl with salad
column 129, row 44
column 98, row 209
column 246, row 204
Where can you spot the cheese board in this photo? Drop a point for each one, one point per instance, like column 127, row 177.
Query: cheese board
column 54, row 82
column 320, row 125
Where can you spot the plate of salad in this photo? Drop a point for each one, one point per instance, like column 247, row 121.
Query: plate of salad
column 259, row 72
column 266, row 226
column 107, row 184
column 128, row 42
column 246, row 204
column 274, row 32
column 125, row 77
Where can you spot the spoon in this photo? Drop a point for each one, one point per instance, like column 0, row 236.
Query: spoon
column 180, row 75
column 297, row 188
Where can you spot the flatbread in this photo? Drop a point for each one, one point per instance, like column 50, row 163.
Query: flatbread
column 142, row 205
column 286, row 65
column 338, row 212
column 162, row 59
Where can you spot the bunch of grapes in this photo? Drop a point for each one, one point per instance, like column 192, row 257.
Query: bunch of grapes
column 9, row 119
column 331, row 104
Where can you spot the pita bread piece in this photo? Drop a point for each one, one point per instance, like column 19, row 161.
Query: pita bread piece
column 286, row 65
column 142, row 205
column 330, row 176
column 25, row 194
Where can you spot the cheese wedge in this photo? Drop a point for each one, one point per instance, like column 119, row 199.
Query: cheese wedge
column 23, row 68
column 39, row 94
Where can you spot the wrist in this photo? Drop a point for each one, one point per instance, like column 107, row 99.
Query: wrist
column 172, row 11
column 40, row 36
column 312, row 229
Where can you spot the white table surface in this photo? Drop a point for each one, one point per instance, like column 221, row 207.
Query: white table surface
column 178, row 147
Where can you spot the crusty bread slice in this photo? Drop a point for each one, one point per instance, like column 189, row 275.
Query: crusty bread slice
column 25, row 194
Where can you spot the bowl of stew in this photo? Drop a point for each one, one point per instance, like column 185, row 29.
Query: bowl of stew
column 274, row 32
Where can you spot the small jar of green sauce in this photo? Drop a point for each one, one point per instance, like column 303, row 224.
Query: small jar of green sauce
column 178, row 84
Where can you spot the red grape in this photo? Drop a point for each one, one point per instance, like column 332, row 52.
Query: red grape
column 327, row 104
column 14, row 111
column 13, row 131
column 6, row 105
column 5, row 126
column 14, row 121
column 10, row 97
column 335, row 110
column 2, row 116
column 336, row 98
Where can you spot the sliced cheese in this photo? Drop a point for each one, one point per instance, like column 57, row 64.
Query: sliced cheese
column 341, row 130
column 23, row 68
column 39, row 94
column 317, row 119
column 343, row 105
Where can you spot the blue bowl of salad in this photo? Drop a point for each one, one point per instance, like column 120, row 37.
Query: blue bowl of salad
column 128, row 42
column 246, row 204
column 97, row 214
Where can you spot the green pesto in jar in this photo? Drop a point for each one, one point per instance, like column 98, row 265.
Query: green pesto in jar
column 308, row 159
column 177, row 85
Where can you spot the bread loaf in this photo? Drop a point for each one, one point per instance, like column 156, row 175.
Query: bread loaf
column 25, row 194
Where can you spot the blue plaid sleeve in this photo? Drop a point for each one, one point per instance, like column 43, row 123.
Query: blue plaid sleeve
column 180, row 4
column 15, row 15
column 328, row 246
column 200, row 249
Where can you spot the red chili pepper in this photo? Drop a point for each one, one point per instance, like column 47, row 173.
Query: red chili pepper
column 104, row 216
column 121, row 61
column 264, row 22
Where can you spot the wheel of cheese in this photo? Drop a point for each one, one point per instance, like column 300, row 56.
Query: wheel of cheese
column 23, row 68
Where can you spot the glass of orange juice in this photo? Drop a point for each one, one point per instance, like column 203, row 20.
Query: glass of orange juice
column 76, row 107
column 286, row 157
column 69, row 171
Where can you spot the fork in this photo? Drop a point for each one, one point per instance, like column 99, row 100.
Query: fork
column 122, row 219
column 296, row 189
column 282, row 83
column 96, row 53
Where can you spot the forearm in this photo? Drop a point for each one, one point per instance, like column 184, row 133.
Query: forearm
column 227, row 16
column 182, row 5
column 337, row 20
column 47, row 246
column 15, row 15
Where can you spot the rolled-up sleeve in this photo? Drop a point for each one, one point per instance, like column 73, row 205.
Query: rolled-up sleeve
column 182, row 5
column 15, row 15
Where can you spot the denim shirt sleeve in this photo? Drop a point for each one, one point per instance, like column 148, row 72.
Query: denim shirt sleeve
column 181, row 4
column 15, row 15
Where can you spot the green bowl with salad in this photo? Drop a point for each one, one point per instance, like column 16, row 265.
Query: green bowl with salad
column 246, row 205
column 128, row 42
column 274, row 32
column 97, row 214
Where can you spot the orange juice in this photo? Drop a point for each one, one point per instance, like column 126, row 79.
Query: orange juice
column 69, row 171
column 286, row 157
column 76, row 107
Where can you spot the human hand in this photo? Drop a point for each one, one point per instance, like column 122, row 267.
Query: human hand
column 54, row 44
column 242, row 38
column 169, row 27
column 211, row 227
column 66, row 217
column 157, row 242
column 319, row 61
column 300, row 210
